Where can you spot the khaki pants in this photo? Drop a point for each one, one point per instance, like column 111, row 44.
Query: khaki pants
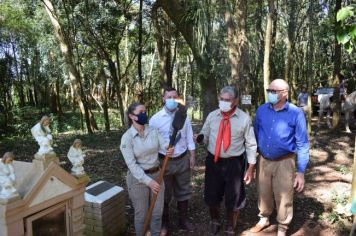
column 177, row 179
column 140, row 195
column 276, row 178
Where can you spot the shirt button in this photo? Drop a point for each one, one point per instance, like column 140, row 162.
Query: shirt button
column 273, row 120
column 267, row 145
column 269, row 137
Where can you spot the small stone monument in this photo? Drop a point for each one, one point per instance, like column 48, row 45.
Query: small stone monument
column 104, row 210
column 76, row 157
column 42, row 134
column 7, row 179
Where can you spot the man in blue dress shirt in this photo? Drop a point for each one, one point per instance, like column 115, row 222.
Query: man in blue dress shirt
column 281, row 135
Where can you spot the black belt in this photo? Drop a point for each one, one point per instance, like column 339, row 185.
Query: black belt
column 226, row 158
column 174, row 158
column 152, row 170
column 287, row 156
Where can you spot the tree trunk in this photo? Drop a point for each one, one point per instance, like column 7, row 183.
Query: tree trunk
column 268, row 41
column 336, row 73
column 290, row 40
column 67, row 52
column 163, row 36
column 177, row 13
column 238, row 48
column 259, row 94
column 105, row 100
column 310, row 60
column 139, row 56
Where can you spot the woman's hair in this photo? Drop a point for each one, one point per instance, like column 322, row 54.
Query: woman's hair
column 130, row 110
column 77, row 141
column 43, row 119
column 7, row 156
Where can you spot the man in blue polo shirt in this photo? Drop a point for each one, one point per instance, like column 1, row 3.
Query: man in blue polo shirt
column 281, row 134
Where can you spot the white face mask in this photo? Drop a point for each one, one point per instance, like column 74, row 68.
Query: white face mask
column 225, row 106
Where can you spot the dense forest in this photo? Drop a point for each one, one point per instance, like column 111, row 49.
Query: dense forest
column 92, row 58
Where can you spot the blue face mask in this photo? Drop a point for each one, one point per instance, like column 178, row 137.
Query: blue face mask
column 273, row 98
column 141, row 118
column 171, row 104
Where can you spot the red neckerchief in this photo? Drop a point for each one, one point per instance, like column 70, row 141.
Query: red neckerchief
column 224, row 133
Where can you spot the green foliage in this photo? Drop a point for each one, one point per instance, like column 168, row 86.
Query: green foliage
column 346, row 33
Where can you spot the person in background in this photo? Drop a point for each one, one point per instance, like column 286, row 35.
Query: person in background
column 177, row 177
column 281, row 134
column 303, row 100
column 229, row 134
column 139, row 146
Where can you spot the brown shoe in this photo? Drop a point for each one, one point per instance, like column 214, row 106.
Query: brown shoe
column 165, row 220
column 259, row 226
column 184, row 224
column 215, row 227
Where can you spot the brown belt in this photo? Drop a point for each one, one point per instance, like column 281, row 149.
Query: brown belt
column 289, row 155
column 152, row 170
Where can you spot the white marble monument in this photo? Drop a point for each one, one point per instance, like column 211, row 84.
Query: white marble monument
column 7, row 177
column 42, row 134
column 76, row 157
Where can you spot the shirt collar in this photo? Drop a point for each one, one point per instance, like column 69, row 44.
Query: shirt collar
column 134, row 132
column 165, row 112
column 285, row 107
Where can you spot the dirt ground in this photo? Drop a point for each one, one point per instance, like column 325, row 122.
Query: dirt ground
column 328, row 181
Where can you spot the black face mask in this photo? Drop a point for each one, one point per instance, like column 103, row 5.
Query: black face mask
column 141, row 118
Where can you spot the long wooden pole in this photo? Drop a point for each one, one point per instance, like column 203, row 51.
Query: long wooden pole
column 155, row 195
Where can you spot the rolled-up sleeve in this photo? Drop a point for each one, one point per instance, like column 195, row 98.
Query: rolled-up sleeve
column 250, row 142
column 302, row 143
column 126, row 148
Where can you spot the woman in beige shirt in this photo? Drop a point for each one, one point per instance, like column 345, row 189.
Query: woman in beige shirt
column 139, row 146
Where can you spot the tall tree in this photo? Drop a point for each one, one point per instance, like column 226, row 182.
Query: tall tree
column 238, row 44
column 196, row 33
column 139, row 57
column 163, row 36
column 268, row 44
column 336, row 71
column 67, row 51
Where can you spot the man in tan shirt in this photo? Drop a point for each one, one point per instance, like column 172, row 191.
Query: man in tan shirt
column 229, row 135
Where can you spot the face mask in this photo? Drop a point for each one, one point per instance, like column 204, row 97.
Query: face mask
column 141, row 118
column 273, row 98
column 171, row 104
column 224, row 106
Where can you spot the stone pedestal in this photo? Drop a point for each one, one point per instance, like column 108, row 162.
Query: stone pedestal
column 104, row 210
column 42, row 161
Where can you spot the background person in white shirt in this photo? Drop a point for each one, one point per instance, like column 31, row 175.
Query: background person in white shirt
column 177, row 176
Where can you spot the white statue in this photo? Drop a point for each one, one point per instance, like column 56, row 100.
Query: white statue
column 42, row 134
column 7, row 176
column 76, row 157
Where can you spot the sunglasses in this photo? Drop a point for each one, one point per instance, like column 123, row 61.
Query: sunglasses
column 274, row 91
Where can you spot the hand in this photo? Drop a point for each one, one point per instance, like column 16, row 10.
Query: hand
column 299, row 182
column 170, row 151
column 154, row 186
column 192, row 162
column 180, row 101
column 249, row 174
